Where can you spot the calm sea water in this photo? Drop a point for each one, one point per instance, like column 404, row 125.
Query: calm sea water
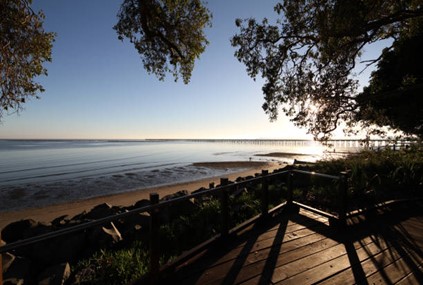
column 38, row 173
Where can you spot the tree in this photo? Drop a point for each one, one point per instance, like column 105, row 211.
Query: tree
column 394, row 96
column 168, row 34
column 24, row 47
column 308, row 58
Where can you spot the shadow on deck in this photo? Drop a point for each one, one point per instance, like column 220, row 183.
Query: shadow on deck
column 386, row 248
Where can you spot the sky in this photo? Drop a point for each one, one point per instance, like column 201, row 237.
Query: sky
column 96, row 86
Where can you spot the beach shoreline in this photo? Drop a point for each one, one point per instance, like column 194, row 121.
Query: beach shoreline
column 48, row 213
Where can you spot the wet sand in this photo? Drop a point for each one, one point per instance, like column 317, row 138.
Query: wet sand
column 48, row 213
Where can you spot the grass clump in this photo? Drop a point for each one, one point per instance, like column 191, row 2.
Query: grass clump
column 113, row 266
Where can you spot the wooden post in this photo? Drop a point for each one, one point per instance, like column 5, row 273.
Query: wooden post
column 290, row 193
column 343, row 191
column 265, row 194
column 211, row 185
column 224, row 204
column 154, row 240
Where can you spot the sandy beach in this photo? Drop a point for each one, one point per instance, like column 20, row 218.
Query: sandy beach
column 48, row 213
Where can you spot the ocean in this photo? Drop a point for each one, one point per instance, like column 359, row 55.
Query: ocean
column 36, row 173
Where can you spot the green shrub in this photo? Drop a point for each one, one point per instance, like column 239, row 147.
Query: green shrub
column 113, row 267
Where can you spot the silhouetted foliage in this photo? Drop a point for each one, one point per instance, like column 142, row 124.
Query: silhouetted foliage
column 394, row 96
column 24, row 47
column 168, row 34
column 309, row 56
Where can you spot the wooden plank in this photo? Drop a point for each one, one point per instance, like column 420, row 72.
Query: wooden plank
column 411, row 279
column 307, row 262
column 393, row 273
column 291, row 227
column 368, row 264
column 371, row 259
column 253, row 265
column 332, row 266
column 257, row 270
column 261, row 244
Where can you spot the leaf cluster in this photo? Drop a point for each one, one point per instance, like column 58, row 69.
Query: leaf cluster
column 309, row 55
column 168, row 34
column 24, row 47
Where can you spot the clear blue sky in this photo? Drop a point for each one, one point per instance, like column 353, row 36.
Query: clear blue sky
column 97, row 87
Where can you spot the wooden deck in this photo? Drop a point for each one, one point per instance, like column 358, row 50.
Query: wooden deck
column 302, row 249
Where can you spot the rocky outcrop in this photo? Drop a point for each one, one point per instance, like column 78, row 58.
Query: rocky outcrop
column 48, row 261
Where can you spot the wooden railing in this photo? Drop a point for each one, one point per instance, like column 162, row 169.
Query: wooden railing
column 223, row 192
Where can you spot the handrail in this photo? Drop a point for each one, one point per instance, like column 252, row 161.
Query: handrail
column 90, row 224
column 317, row 174
column 153, row 208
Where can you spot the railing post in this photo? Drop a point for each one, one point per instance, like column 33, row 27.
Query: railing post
column 289, row 194
column 343, row 191
column 265, row 193
column 224, row 204
column 154, row 240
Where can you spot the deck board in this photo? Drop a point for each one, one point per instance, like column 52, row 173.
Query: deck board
column 303, row 249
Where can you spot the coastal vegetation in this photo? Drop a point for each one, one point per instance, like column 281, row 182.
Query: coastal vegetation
column 373, row 177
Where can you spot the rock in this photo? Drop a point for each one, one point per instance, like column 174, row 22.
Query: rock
column 60, row 221
column 141, row 203
column 102, row 237
column 14, row 281
column 113, row 233
column 7, row 259
column 128, row 226
column 79, row 217
column 67, row 248
column 202, row 198
column 178, row 209
column 55, row 275
column 17, row 230
column 100, row 211
column 239, row 179
column 238, row 192
column 18, row 272
column 175, row 195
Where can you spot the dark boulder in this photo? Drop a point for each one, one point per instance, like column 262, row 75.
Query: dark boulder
column 177, row 209
column 66, row 248
column 102, row 237
column 133, row 225
column 18, row 271
column 100, row 211
column 17, row 230
column 140, row 204
column 7, row 260
column 55, row 275
column 60, row 221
